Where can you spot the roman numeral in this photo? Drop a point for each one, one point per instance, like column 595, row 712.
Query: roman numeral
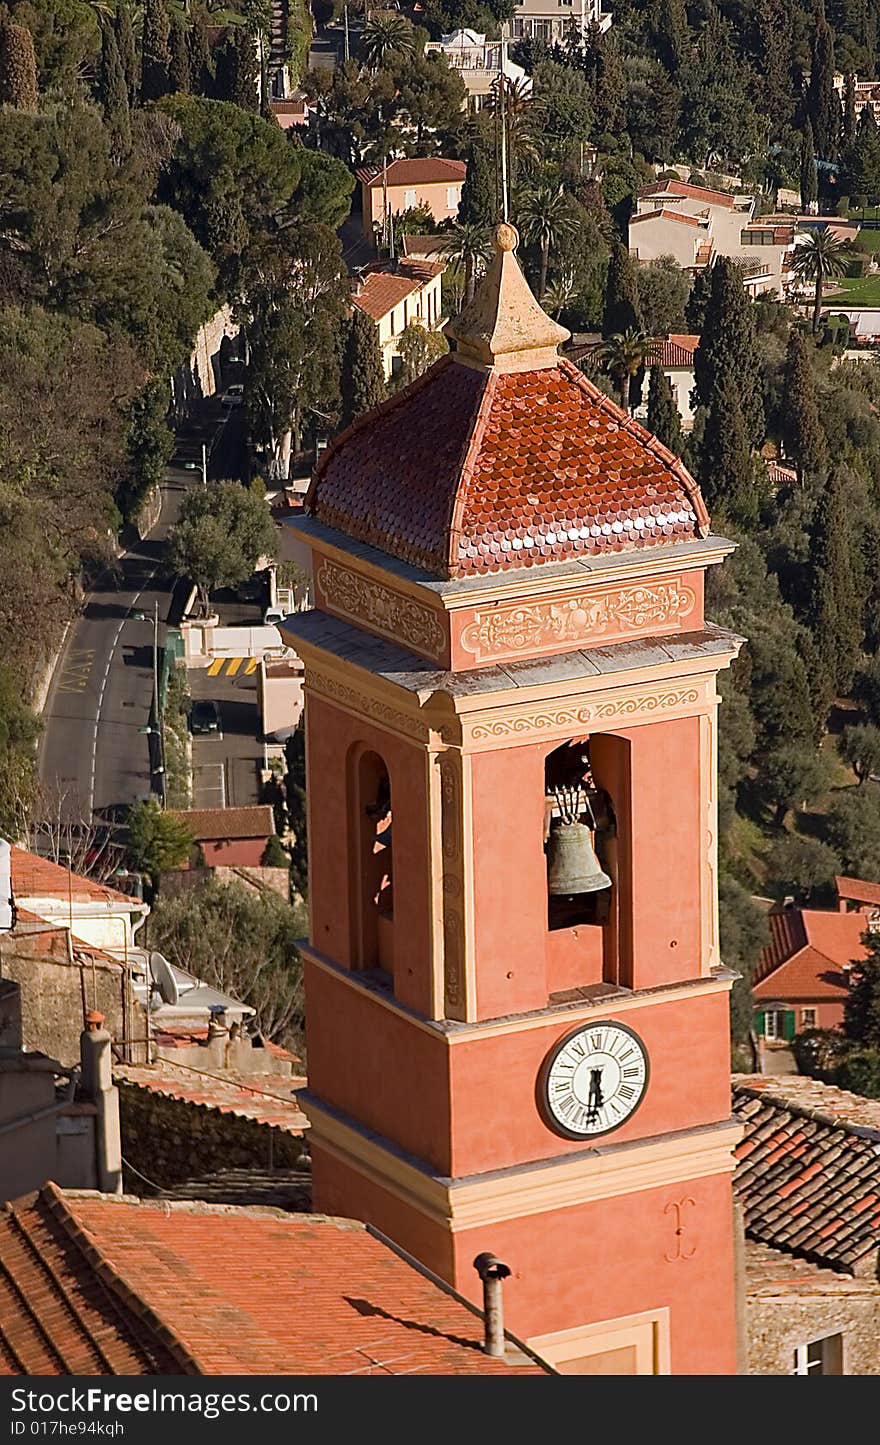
column 596, row 1041
column 624, row 1056
column 632, row 1072
column 626, row 1091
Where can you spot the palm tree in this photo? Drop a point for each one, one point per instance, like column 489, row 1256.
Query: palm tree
column 545, row 217
column 469, row 246
column 559, row 294
column 385, row 34
column 820, row 257
column 517, row 124
column 623, row 356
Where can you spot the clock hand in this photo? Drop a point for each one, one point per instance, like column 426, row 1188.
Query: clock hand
column 596, row 1098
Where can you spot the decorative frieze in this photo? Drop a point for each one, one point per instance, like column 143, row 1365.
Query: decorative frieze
column 361, row 704
column 622, row 611
column 546, row 719
column 392, row 614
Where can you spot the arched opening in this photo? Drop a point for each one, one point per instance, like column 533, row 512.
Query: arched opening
column 374, row 865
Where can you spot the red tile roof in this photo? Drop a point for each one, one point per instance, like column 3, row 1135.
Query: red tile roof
column 211, row 825
column 808, row 953
column 470, row 471
column 673, row 350
column 265, row 1098
column 380, row 291
column 858, row 889
column 808, row 1170
column 779, row 474
column 414, row 171
column 679, row 216
column 683, row 188
column 109, row 1285
column 35, row 877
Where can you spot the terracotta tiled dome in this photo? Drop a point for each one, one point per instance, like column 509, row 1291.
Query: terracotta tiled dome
column 503, row 455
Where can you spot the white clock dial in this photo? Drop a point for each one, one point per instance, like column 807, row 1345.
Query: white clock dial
column 594, row 1080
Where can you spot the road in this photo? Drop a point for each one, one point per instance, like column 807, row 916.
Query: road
column 101, row 691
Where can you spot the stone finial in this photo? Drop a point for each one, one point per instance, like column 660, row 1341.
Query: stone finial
column 504, row 328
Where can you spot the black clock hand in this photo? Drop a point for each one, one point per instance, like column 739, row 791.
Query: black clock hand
column 596, row 1099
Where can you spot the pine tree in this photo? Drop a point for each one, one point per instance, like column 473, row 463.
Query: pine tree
column 155, row 51
column 809, row 175
column 726, row 473
column 479, row 204
column 114, row 93
column 180, row 70
column 124, row 34
column 18, row 67
column 663, row 418
column 836, row 615
column 363, row 376
column 823, row 106
column 622, row 311
column 728, row 352
column 802, row 430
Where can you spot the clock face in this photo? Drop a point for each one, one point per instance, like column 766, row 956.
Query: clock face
column 594, row 1080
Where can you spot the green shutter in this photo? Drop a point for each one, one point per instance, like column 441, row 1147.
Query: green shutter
column 759, row 1023
column 788, row 1025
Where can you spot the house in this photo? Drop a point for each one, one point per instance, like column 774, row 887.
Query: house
column 395, row 295
column 802, row 978
column 90, row 1284
column 424, row 248
column 479, row 63
column 807, row 1182
column 291, row 111
column 674, row 354
column 860, row 896
column 93, row 911
column 867, row 94
column 430, row 181
column 694, row 224
column 552, row 20
column 230, row 837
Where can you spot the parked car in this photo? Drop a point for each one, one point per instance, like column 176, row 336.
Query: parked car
column 233, row 395
column 204, row 717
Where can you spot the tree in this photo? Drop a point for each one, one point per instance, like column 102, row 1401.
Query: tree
column 727, row 356
column 242, row 942
column 124, row 35
column 623, row 307
column 180, row 68
column 860, row 747
column 431, row 96
column 18, row 67
column 792, row 776
column 363, row 375
column 808, row 172
column 801, row 428
column 155, row 51
column 848, row 129
column 853, row 824
column 419, row 348
column 663, row 291
column 663, row 417
column 237, row 78
column 671, row 34
column 201, row 60
column 744, row 932
column 223, row 532
column 623, row 358
column 820, row 256
column 479, row 202
column 545, row 216
column 324, row 190
column 149, row 446
column 470, row 247
column 157, row 840
column 867, row 689
column 861, row 1011
column 835, row 614
column 386, row 35
column 823, row 106
column 114, row 92
column 799, row 865
column 726, row 473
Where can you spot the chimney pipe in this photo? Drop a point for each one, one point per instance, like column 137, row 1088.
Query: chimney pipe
column 492, row 1272
column 96, row 1080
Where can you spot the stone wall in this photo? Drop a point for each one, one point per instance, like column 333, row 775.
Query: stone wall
column 777, row 1325
column 56, row 994
column 169, row 1140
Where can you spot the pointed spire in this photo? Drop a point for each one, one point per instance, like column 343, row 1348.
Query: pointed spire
column 504, row 328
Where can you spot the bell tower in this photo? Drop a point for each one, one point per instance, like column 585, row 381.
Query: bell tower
column 517, row 1015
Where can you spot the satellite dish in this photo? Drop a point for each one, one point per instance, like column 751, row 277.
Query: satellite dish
column 162, row 979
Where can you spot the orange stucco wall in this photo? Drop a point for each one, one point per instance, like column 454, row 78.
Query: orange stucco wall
column 581, row 1265
column 433, row 195
column 234, row 852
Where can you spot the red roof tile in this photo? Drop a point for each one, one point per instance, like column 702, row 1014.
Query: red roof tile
column 808, row 953
column 685, row 189
column 471, row 471
column 210, row 825
column 123, row 1286
column 680, row 216
column 858, row 889
column 265, row 1098
column 35, row 877
column 673, row 350
column 379, row 292
column 414, row 171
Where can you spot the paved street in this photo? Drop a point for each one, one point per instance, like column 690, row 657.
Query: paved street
column 102, row 688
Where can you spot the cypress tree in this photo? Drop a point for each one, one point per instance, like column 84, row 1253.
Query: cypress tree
column 18, row 67
column 801, row 428
column 849, row 108
column 155, row 51
column 671, row 36
column 124, row 35
column 622, row 310
column 363, row 376
column 836, row 616
column 114, row 93
column 479, row 202
column 180, row 70
column 728, row 351
column 823, row 107
column 809, row 175
column 726, row 474
column 695, row 307
column 201, row 67
column 663, row 418
column 246, row 91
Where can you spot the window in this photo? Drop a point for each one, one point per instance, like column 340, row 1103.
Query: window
column 634, row 1345
column 409, row 200
column 820, row 1357
column 808, row 1018
column 452, row 195
column 577, row 822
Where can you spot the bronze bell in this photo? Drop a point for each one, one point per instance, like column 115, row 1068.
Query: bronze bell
column 572, row 865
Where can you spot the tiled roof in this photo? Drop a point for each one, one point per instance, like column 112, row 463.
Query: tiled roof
column 416, row 171
column 469, row 471
column 680, row 216
column 213, row 824
column 421, row 246
column 287, row 1189
column 35, row 877
column 683, row 188
column 379, row 292
column 264, row 1098
column 779, row 474
column 858, row 889
column 771, row 1273
column 673, row 350
column 808, row 1169
column 809, row 950
column 220, row 1291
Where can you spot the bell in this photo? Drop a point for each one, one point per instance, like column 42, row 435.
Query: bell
column 572, row 865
